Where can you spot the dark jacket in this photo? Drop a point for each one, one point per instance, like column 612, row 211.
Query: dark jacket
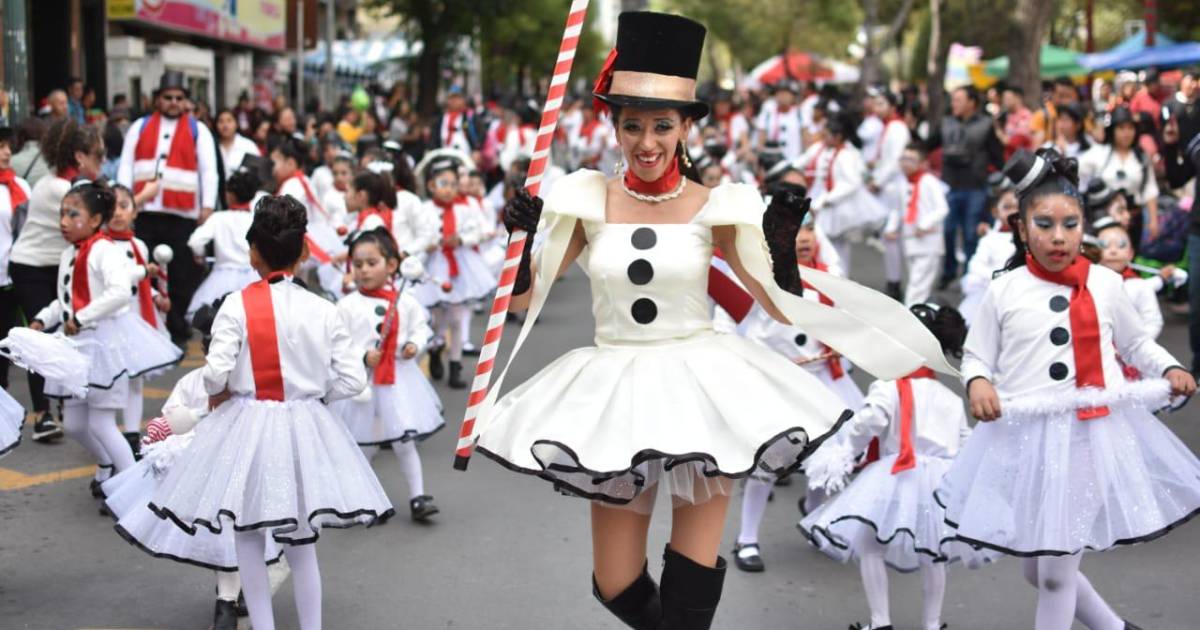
column 969, row 149
column 1180, row 169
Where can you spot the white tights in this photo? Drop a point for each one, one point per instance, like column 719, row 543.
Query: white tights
column 754, row 505
column 841, row 245
column 875, row 585
column 448, row 321
column 306, row 581
column 229, row 584
column 96, row 429
column 134, row 405
column 410, row 464
column 1064, row 594
column 893, row 260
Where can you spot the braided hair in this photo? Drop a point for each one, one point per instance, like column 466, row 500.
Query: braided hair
column 1037, row 176
column 277, row 231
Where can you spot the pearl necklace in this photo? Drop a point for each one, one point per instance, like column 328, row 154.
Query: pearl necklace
column 652, row 198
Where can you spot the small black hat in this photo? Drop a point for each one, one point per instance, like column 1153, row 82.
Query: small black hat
column 1098, row 194
column 259, row 165
column 1026, row 170
column 654, row 64
column 173, row 80
column 1104, row 223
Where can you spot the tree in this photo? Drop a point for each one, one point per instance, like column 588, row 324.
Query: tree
column 523, row 42
column 1030, row 19
column 871, row 62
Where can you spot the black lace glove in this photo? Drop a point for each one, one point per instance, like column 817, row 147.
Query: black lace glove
column 523, row 212
column 780, row 224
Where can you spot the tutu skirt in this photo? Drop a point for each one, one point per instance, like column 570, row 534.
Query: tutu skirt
column 895, row 511
column 407, row 410
column 475, row 279
column 609, row 422
column 128, row 496
column 117, row 349
column 222, row 280
column 1039, row 481
column 290, row 468
column 12, row 418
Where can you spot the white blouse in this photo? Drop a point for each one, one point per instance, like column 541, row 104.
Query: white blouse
column 1119, row 172
column 991, row 254
column 939, row 421
column 6, row 235
column 226, row 230
column 1143, row 292
column 931, row 211
column 363, row 317
column 109, row 278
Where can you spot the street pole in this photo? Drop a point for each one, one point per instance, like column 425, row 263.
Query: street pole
column 329, row 37
column 300, row 59
column 1091, row 41
column 16, row 60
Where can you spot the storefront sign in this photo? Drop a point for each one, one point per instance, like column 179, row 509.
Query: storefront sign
column 258, row 23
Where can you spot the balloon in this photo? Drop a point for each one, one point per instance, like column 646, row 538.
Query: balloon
column 359, row 99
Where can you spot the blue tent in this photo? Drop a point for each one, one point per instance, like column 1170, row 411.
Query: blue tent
column 1114, row 57
column 1164, row 57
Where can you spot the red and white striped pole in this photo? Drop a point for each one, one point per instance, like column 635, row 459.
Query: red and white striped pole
column 516, row 242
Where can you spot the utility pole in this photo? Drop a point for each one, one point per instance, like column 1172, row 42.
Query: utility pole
column 1089, row 11
column 16, row 60
column 1151, row 21
column 330, row 17
column 300, row 60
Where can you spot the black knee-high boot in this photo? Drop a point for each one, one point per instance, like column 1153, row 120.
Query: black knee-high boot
column 690, row 592
column 638, row 605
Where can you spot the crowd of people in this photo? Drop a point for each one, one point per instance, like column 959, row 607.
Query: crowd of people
column 322, row 257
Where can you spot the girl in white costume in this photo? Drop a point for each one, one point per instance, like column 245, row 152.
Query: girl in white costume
column 324, row 242
column 12, row 419
column 887, row 179
column 662, row 399
column 226, row 231
column 1116, row 253
column 832, row 370
column 146, row 301
column 918, row 224
column 991, row 253
column 841, row 202
column 272, row 460
column 886, row 517
column 1067, row 457
column 389, row 330
column 95, row 279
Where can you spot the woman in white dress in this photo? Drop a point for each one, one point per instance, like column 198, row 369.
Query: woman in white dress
column 662, row 399
column 1122, row 164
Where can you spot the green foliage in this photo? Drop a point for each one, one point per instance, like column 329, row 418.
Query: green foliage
column 522, row 42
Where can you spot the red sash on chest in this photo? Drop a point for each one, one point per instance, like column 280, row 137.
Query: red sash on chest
column 81, row 293
column 385, row 372
column 914, row 198
column 16, row 194
column 833, row 363
column 181, row 156
column 449, row 230
column 908, row 457
column 829, row 169
column 145, row 296
column 262, row 339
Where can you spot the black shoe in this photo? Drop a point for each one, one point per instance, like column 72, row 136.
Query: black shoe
column 944, row 282
column 242, row 611
column 46, row 428
column 437, row 369
column 638, row 606
column 893, row 291
column 422, row 508
column 225, row 615
column 94, row 486
column 135, row 443
column 456, row 381
column 859, row 626
column 803, row 505
column 470, row 350
column 1130, row 626
column 783, row 481
column 690, row 592
column 748, row 558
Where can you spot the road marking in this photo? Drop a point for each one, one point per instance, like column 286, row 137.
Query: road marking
column 13, row 480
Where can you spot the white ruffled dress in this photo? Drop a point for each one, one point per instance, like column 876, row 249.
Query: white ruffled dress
column 475, row 280
column 231, row 270
column 12, row 418
column 661, row 396
column 1039, row 480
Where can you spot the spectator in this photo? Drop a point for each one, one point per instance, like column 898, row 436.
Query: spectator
column 456, row 126
column 170, row 150
column 75, row 107
column 113, row 139
column 969, row 148
column 57, row 102
column 4, row 104
column 1123, row 165
column 28, row 162
column 349, row 128
column 1148, row 99
column 1041, row 126
column 73, row 151
column 14, row 197
column 262, row 136
column 246, row 116
column 233, row 145
column 1181, row 155
column 1184, row 107
column 1016, row 130
column 1069, row 138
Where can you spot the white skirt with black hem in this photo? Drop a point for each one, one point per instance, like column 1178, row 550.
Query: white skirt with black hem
column 128, row 496
column 896, row 512
column 408, row 410
column 221, row 281
column 12, row 419
column 610, row 423
column 474, row 281
column 1041, row 482
column 289, row 468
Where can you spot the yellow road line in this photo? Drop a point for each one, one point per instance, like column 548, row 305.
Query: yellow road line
column 155, row 393
column 13, row 480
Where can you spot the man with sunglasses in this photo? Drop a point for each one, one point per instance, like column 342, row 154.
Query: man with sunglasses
column 171, row 153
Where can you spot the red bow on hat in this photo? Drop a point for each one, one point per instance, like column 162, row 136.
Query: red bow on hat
column 604, row 83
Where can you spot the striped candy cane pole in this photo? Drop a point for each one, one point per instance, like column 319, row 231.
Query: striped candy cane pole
column 516, row 242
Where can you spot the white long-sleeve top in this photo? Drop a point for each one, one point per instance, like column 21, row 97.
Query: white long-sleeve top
column 6, row 235
column 226, row 230
column 1023, row 327
column 789, row 341
column 1126, row 172
column 109, row 279
column 939, row 421
column 364, row 315
column 870, row 130
column 316, row 355
column 931, row 211
column 848, row 169
column 887, row 153
column 991, row 254
column 233, row 155
column 317, row 214
column 414, row 229
column 466, row 221
column 1143, row 292
column 782, row 127
column 206, row 164
column 41, row 242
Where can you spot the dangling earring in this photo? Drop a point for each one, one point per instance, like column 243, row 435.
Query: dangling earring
column 619, row 166
column 687, row 160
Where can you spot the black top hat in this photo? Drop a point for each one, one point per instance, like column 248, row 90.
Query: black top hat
column 1104, row 223
column 654, row 64
column 1098, row 194
column 1026, row 170
column 173, row 80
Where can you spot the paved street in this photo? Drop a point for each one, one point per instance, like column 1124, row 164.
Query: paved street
column 506, row 552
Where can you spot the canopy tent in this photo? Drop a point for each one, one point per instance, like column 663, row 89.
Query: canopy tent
column 1159, row 57
column 359, row 56
column 800, row 66
column 1055, row 62
column 1129, row 47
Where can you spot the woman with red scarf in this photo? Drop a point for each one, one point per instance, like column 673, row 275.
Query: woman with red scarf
column 1067, row 457
column 459, row 274
column 14, row 193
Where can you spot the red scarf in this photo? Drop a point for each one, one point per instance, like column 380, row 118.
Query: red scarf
column 308, row 192
column 385, row 372
column 451, row 127
column 914, row 198
column 879, row 144
column 665, row 184
column 810, row 169
column 1085, row 326
column 908, row 457
column 145, row 296
column 182, row 156
column 833, row 363
column 262, row 340
column 245, row 207
column 81, row 293
column 381, row 211
column 829, row 169
column 16, row 194
column 1128, row 274
column 69, row 174
column 449, row 229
